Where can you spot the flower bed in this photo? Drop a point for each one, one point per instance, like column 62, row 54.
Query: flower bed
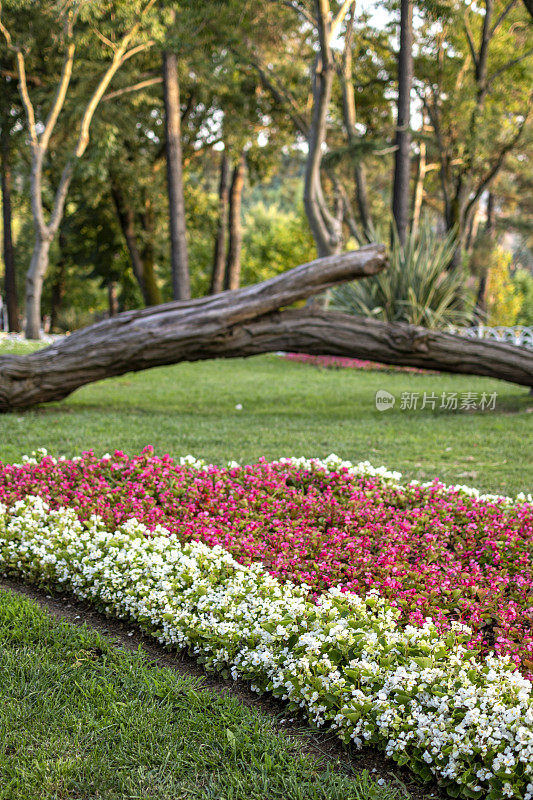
column 342, row 362
column 345, row 660
column 431, row 550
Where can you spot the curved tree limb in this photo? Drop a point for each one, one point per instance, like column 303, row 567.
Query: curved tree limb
column 113, row 346
column 246, row 322
column 334, row 333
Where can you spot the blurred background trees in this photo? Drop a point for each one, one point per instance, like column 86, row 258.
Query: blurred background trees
column 277, row 130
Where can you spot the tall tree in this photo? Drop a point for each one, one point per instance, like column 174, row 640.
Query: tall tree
column 219, row 256
column 325, row 226
column 233, row 260
column 350, row 125
column 10, row 286
column 130, row 41
column 139, row 248
column 475, row 84
column 112, row 299
column 323, row 25
column 483, row 252
column 181, row 289
column 402, row 159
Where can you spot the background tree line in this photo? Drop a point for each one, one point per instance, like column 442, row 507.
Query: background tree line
column 156, row 150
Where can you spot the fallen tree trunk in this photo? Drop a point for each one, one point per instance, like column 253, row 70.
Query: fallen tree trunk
column 336, row 334
column 244, row 323
column 169, row 332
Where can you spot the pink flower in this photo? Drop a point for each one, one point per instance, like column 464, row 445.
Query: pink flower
column 431, row 552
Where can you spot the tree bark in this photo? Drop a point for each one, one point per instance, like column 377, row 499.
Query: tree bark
column 219, row 256
column 349, row 120
column 181, row 289
column 112, row 298
column 480, row 307
column 10, row 286
column 148, row 253
column 363, row 203
column 325, row 226
column 419, row 188
column 402, row 161
column 34, row 286
column 326, row 233
column 168, row 325
column 233, row 261
column 143, row 268
column 244, row 323
column 58, row 286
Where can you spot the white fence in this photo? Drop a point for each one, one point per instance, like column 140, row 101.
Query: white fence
column 520, row 335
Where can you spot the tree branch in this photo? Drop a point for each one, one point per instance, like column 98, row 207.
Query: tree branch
column 138, row 49
column 134, row 88
column 60, row 98
column 337, row 22
column 105, row 40
column 10, row 73
column 23, row 83
column 26, row 101
column 470, row 40
column 301, row 10
column 497, row 165
column 60, row 197
column 481, row 71
column 281, row 96
column 507, row 66
column 502, row 16
column 121, row 54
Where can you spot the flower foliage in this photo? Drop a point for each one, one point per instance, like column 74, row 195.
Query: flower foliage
column 431, row 550
column 341, row 362
column 344, row 660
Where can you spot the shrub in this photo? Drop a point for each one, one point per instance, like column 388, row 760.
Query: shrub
column 417, row 287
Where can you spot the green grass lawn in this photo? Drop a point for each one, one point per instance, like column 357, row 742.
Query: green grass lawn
column 289, row 409
column 82, row 718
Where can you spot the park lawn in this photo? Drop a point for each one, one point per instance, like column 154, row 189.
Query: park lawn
column 81, row 717
column 288, row 409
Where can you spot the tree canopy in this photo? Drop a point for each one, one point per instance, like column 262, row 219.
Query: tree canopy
column 288, row 120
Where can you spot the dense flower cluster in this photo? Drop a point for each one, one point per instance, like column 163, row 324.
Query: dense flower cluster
column 343, row 660
column 342, row 362
column 432, row 550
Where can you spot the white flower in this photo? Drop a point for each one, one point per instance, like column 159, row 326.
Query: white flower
column 241, row 618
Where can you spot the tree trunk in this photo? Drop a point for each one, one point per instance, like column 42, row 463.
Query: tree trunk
column 363, row 204
column 218, row 312
column 112, row 298
column 419, row 189
column 349, row 120
column 480, row 307
column 455, row 223
column 181, row 289
column 34, row 286
column 58, row 288
column 143, row 274
column 473, row 228
column 326, row 233
column 233, row 261
column 10, row 286
column 246, row 322
column 402, row 161
column 148, row 254
column 219, row 256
